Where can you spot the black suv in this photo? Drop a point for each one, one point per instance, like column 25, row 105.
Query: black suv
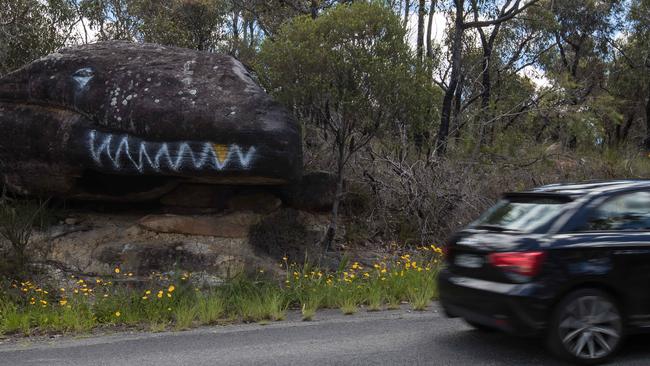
column 570, row 262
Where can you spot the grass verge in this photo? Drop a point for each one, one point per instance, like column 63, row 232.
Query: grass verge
column 174, row 303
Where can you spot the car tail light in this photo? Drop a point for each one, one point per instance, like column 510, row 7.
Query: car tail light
column 522, row 263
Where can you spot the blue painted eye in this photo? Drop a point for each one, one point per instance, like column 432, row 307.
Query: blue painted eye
column 83, row 76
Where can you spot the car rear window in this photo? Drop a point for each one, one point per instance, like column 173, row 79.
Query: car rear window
column 522, row 213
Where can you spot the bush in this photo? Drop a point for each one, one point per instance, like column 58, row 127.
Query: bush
column 281, row 234
column 19, row 219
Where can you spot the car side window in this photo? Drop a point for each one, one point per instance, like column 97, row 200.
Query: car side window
column 629, row 211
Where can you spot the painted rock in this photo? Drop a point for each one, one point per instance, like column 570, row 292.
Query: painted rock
column 129, row 121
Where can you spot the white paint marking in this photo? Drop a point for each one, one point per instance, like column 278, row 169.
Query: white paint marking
column 207, row 158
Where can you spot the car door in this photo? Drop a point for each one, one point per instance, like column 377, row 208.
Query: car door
column 610, row 244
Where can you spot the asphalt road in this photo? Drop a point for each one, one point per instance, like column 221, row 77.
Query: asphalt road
column 385, row 338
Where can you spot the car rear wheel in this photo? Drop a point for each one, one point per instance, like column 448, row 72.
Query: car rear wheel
column 586, row 328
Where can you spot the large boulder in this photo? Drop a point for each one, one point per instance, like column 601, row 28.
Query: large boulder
column 221, row 245
column 121, row 120
column 234, row 225
column 315, row 191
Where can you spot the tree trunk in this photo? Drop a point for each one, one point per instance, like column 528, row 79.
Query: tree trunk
column 407, row 10
column 314, row 9
column 485, row 117
column 432, row 11
column 647, row 122
column 420, row 41
column 235, row 33
column 443, row 130
column 458, row 101
column 331, row 230
column 251, row 33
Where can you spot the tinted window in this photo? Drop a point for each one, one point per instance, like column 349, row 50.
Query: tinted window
column 529, row 214
column 629, row 211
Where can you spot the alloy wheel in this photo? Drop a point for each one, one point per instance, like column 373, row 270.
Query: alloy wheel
column 590, row 327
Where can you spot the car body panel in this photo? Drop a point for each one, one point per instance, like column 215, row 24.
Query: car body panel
column 617, row 262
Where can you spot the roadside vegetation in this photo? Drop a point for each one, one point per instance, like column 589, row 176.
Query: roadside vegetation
column 420, row 138
column 173, row 302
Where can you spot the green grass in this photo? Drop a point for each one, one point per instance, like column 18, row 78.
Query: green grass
column 184, row 315
column 374, row 298
column 309, row 306
column 28, row 309
column 210, row 307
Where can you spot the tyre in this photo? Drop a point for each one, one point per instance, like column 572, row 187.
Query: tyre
column 586, row 327
column 478, row 326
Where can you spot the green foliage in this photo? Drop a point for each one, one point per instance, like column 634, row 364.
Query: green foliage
column 19, row 218
column 27, row 309
column 195, row 24
column 184, row 314
column 30, row 29
column 353, row 61
column 280, row 234
column 211, row 307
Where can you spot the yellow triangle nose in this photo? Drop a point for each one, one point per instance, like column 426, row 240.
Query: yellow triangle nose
column 221, row 151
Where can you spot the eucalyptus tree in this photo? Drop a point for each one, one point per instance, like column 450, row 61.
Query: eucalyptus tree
column 507, row 11
column 30, row 29
column 350, row 73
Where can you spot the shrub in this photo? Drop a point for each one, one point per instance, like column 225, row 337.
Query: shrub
column 18, row 220
column 281, row 234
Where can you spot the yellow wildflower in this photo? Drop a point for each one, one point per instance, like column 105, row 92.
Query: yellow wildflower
column 171, row 288
column 118, row 314
column 117, row 270
column 62, row 302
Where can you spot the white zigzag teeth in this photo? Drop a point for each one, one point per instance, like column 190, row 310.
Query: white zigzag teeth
column 140, row 155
